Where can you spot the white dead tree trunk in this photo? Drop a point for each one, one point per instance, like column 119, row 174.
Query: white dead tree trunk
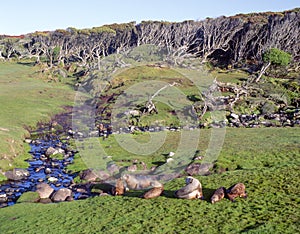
column 150, row 106
column 262, row 71
column 208, row 98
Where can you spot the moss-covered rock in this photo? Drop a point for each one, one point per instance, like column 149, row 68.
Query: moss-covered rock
column 29, row 197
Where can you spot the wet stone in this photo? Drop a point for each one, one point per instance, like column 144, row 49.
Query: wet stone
column 31, row 160
column 45, row 200
column 44, row 190
column 51, row 151
column 2, row 205
column 17, row 174
column 69, row 198
column 83, row 196
column 40, row 169
column 48, row 171
column 3, row 198
column 61, row 195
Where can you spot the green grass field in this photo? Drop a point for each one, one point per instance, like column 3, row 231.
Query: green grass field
column 265, row 160
column 26, row 98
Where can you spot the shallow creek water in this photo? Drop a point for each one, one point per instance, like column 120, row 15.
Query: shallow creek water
column 41, row 169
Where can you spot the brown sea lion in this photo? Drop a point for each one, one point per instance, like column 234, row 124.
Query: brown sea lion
column 120, row 188
column 192, row 189
column 237, row 190
column 156, row 191
column 218, row 195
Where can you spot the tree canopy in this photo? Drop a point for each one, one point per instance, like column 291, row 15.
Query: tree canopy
column 277, row 57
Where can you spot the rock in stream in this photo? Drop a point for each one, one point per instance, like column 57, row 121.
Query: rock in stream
column 46, row 174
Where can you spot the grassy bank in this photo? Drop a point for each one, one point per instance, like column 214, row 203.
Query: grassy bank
column 271, row 207
column 26, row 99
column 265, row 160
column 243, row 148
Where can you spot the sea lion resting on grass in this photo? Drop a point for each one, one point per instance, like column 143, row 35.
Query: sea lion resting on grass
column 156, row 191
column 237, row 190
column 218, row 195
column 192, row 189
column 137, row 182
column 120, row 188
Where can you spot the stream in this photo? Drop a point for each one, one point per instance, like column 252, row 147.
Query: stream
column 45, row 169
column 41, row 169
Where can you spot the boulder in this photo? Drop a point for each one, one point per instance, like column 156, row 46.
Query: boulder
column 45, row 200
column 44, row 190
column 28, row 141
column 88, row 175
column 51, row 151
column 61, row 195
column 17, row 174
column 132, row 168
column 48, row 170
column 168, row 177
column 113, row 168
column 235, row 116
column 2, row 205
column 3, row 198
column 169, row 160
column 198, row 169
column 52, row 179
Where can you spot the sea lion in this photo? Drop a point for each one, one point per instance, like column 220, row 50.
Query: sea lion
column 237, row 190
column 218, row 195
column 137, row 182
column 120, row 188
column 192, row 189
column 156, row 191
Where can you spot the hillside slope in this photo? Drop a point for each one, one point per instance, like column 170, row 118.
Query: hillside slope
column 26, row 99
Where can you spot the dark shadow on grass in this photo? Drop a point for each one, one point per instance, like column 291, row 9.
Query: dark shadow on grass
column 168, row 193
column 29, row 64
column 134, row 193
column 207, row 193
column 158, row 163
column 139, row 193
column 252, row 227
